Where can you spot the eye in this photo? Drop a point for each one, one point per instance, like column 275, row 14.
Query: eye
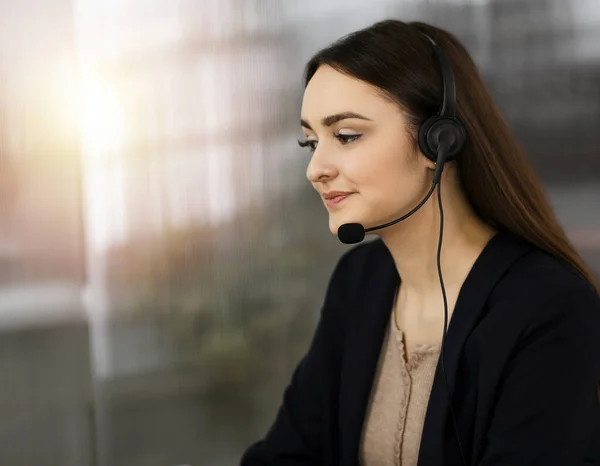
column 342, row 138
column 306, row 143
column 347, row 138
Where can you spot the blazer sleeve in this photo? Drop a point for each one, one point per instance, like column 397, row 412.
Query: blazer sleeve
column 296, row 436
column 548, row 409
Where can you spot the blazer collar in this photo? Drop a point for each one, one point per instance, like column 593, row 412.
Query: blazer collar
column 365, row 339
column 438, row 437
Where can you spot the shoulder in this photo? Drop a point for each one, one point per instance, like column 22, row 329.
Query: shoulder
column 366, row 254
column 538, row 276
column 540, row 289
column 361, row 264
column 364, row 269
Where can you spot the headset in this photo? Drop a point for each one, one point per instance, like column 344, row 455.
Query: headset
column 441, row 138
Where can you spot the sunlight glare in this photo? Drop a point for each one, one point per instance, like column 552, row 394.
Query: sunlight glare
column 102, row 123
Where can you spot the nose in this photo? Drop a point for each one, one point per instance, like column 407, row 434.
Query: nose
column 319, row 168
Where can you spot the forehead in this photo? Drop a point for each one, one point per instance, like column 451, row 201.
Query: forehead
column 330, row 91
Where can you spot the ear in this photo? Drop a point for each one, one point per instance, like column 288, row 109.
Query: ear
column 426, row 161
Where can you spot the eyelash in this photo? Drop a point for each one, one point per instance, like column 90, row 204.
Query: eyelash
column 343, row 138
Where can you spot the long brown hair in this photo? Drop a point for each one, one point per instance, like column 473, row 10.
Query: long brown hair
column 493, row 170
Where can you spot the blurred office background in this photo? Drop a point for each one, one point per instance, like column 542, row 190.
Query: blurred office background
column 162, row 258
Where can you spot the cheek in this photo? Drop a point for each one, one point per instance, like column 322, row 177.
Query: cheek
column 386, row 172
column 388, row 185
column 394, row 186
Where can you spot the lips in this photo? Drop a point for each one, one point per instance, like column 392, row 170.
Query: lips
column 336, row 199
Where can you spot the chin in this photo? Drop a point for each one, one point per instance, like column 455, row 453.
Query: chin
column 334, row 225
column 333, row 228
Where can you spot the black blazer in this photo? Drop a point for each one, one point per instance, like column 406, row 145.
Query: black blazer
column 522, row 360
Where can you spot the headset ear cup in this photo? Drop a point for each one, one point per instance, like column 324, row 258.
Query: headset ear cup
column 432, row 130
column 423, row 144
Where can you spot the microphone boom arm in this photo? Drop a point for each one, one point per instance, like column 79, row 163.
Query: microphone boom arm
column 437, row 175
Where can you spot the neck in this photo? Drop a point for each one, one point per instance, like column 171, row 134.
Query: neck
column 413, row 243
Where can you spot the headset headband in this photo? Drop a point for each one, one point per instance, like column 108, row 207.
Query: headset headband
column 448, row 108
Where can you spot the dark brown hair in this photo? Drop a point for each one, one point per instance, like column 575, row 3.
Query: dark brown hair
column 493, row 170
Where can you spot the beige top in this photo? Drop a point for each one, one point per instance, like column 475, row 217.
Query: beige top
column 399, row 398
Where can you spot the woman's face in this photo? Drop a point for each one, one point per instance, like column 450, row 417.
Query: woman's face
column 360, row 146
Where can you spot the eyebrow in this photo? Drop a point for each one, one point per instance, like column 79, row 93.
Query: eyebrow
column 331, row 119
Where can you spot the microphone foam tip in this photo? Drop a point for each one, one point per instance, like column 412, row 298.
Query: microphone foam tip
column 351, row 233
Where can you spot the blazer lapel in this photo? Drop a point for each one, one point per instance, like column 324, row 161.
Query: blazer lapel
column 438, row 438
column 366, row 332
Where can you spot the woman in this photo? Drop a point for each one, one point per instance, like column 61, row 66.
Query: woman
column 516, row 383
